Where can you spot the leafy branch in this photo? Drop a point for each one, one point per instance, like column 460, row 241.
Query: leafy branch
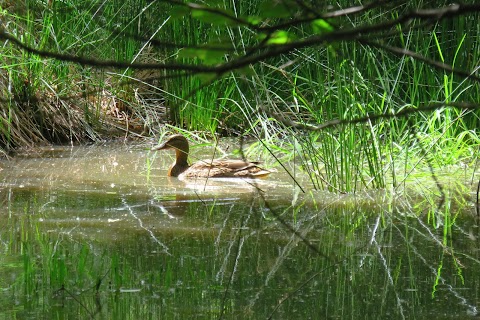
column 272, row 44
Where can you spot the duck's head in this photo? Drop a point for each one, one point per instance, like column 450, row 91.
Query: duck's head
column 177, row 142
column 180, row 144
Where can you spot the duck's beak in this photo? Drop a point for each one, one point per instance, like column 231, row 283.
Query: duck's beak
column 160, row 147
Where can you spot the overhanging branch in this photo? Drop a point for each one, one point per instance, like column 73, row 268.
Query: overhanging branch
column 371, row 118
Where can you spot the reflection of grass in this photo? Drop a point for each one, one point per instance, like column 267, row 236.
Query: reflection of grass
column 237, row 256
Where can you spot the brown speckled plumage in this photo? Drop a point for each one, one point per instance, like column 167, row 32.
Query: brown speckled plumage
column 207, row 168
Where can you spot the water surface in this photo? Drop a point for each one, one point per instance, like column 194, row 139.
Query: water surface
column 101, row 232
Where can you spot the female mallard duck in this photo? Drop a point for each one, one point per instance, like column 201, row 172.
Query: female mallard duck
column 207, row 168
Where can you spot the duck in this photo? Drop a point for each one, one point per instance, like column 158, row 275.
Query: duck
column 217, row 168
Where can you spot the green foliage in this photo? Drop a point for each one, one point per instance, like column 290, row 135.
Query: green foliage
column 278, row 37
column 287, row 95
column 321, row 26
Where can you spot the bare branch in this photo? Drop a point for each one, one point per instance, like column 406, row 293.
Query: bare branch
column 402, row 113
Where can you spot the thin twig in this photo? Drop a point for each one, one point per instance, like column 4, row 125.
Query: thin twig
column 478, row 200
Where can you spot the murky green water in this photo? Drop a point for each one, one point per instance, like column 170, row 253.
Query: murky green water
column 100, row 232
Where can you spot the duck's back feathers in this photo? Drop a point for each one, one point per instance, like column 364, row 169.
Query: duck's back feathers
column 225, row 168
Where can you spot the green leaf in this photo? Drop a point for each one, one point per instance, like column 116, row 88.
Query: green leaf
column 255, row 20
column 321, row 26
column 280, row 37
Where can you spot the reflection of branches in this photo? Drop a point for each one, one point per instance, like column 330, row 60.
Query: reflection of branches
column 239, row 245
column 385, row 261
column 429, row 235
column 131, row 212
column 300, row 287
column 218, row 240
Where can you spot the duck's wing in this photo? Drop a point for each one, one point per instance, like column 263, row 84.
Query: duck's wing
column 233, row 164
column 226, row 168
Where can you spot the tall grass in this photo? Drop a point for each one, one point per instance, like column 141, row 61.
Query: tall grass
column 358, row 81
column 62, row 102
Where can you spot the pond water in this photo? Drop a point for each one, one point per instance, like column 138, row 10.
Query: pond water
column 100, row 232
